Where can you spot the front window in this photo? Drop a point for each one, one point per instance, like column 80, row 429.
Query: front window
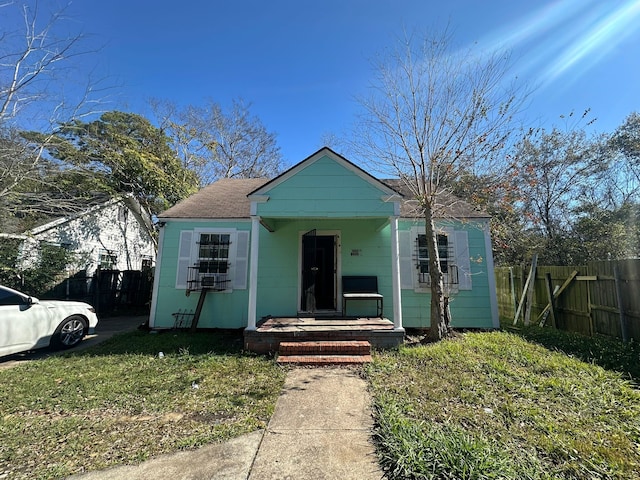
column 214, row 259
column 213, row 253
column 423, row 256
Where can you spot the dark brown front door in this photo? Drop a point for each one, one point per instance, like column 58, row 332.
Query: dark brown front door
column 318, row 272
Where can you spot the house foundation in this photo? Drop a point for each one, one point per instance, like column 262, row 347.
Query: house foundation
column 270, row 332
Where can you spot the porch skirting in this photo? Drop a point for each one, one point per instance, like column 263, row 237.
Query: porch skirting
column 270, row 332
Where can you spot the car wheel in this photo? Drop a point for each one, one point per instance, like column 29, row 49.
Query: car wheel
column 70, row 332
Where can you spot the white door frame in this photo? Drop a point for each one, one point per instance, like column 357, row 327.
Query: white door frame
column 338, row 264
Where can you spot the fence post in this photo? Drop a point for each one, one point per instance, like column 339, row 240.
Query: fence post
column 552, row 309
column 512, row 283
column 530, row 291
column 623, row 320
column 525, row 291
column 97, row 290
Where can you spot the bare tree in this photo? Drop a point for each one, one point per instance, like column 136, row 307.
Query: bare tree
column 33, row 58
column 432, row 115
column 556, row 168
column 216, row 143
column 37, row 58
column 623, row 179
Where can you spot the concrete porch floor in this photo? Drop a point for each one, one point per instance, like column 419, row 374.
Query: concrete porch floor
column 271, row 331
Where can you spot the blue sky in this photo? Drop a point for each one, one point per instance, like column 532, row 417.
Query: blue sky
column 300, row 63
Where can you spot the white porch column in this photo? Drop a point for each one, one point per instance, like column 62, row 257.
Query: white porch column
column 253, row 273
column 395, row 275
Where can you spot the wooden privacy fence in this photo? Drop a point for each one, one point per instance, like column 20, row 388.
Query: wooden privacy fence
column 109, row 291
column 598, row 298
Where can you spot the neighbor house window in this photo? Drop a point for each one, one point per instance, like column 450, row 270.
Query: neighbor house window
column 147, row 262
column 123, row 214
column 107, row 260
column 422, row 254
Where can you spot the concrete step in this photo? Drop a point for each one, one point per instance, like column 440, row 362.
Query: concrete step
column 325, row 347
column 322, row 360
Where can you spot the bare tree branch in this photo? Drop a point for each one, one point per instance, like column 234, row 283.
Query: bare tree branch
column 220, row 144
column 36, row 59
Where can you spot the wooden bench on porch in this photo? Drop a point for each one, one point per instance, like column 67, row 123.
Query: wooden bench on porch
column 361, row 287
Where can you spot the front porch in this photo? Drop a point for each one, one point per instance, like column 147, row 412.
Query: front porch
column 271, row 331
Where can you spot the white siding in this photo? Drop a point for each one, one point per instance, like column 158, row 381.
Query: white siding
column 111, row 228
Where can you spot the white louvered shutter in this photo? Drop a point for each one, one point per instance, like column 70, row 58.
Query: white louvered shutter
column 463, row 259
column 184, row 258
column 242, row 260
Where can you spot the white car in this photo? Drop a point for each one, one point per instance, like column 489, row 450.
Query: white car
column 27, row 323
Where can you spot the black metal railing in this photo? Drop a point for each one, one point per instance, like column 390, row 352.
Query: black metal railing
column 450, row 276
column 199, row 280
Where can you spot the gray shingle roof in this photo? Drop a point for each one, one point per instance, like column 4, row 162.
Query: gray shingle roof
column 448, row 206
column 227, row 198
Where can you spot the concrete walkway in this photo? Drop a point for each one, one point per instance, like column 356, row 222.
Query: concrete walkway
column 320, row 430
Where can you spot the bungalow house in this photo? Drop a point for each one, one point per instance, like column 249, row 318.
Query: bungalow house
column 241, row 251
column 111, row 233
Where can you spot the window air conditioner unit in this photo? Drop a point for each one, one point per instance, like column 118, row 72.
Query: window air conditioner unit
column 213, row 280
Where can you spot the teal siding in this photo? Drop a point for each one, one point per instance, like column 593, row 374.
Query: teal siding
column 221, row 310
column 326, row 189
column 469, row 308
column 279, row 264
column 365, row 250
column 278, row 273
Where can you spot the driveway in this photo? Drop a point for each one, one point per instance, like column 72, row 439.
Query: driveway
column 107, row 328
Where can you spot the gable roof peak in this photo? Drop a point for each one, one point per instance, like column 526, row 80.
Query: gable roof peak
column 321, row 153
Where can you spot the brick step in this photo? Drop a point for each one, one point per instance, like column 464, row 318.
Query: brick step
column 349, row 347
column 321, row 360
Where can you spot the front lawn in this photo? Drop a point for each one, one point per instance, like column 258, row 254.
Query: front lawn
column 122, row 402
column 610, row 353
column 479, row 406
column 494, row 406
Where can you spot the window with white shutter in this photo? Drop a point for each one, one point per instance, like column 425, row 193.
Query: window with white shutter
column 216, row 259
column 453, row 251
column 406, row 260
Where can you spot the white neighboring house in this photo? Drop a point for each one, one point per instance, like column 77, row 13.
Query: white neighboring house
column 113, row 234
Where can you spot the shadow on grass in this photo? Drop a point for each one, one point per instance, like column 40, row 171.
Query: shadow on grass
column 608, row 353
column 220, row 342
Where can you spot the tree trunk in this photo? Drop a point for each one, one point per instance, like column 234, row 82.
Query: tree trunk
column 440, row 322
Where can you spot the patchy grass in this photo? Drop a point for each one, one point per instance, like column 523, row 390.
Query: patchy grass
column 609, row 353
column 494, row 406
column 120, row 402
